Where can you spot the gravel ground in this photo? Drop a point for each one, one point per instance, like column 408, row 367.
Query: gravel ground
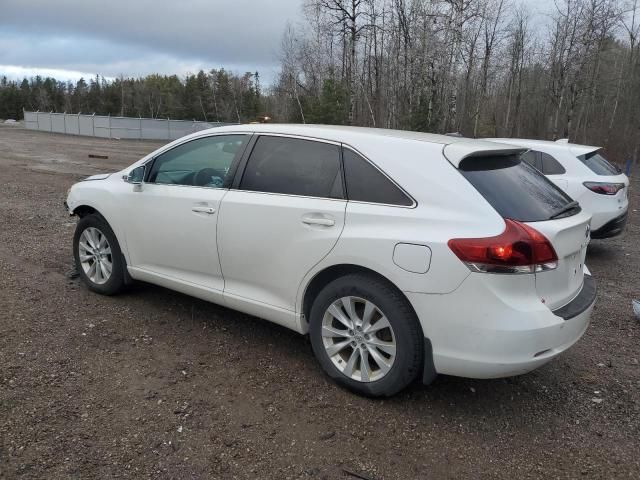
column 156, row 384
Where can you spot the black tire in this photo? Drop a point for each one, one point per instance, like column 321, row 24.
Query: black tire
column 116, row 281
column 408, row 334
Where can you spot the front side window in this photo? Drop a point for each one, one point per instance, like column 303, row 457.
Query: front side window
column 294, row 166
column 598, row 164
column 365, row 183
column 204, row 162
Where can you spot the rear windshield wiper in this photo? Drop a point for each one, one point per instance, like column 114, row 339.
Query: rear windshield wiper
column 567, row 208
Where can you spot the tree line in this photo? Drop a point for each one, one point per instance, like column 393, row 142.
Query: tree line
column 214, row 96
column 483, row 68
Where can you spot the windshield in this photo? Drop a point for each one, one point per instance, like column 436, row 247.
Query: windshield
column 517, row 190
column 598, row 164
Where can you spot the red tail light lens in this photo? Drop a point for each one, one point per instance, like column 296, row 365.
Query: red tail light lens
column 519, row 249
column 604, row 188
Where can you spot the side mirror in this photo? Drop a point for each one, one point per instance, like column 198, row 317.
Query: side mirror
column 136, row 176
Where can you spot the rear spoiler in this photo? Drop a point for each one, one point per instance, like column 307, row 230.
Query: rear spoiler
column 578, row 150
column 458, row 151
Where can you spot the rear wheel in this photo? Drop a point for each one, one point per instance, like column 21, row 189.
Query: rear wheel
column 98, row 257
column 366, row 335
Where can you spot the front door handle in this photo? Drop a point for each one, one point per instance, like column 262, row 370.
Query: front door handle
column 209, row 210
column 312, row 220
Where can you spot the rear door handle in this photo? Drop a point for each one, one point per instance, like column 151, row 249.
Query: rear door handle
column 209, row 210
column 312, row 220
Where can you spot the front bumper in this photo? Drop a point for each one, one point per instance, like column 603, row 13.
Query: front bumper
column 476, row 334
column 612, row 228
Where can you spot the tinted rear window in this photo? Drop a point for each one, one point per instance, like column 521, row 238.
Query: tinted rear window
column 598, row 164
column 514, row 188
column 294, row 167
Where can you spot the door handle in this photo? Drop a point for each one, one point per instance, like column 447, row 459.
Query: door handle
column 311, row 220
column 208, row 210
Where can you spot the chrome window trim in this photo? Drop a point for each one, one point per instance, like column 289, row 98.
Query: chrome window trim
column 297, row 136
column 343, row 200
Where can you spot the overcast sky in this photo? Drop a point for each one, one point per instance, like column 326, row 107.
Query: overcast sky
column 72, row 38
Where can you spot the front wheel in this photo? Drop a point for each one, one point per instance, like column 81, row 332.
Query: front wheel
column 366, row 336
column 98, row 257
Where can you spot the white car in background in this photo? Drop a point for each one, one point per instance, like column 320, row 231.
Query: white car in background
column 583, row 172
column 401, row 254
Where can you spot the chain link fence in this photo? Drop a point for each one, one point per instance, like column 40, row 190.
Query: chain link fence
column 114, row 127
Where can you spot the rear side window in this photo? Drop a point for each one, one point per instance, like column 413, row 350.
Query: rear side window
column 514, row 188
column 543, row 162
column 294, row 167
column 533, row 159
column 550, row 166
column 365, row 183
column 598, row 164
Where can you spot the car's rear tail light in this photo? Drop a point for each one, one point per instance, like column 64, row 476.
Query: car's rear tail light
column 519, row 249
column 604, row 188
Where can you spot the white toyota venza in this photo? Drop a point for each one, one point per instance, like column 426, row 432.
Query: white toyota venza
column 401, row 254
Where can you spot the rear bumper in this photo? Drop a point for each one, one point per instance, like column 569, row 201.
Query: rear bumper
column 476, row 334
column 611, row 228
column 582, row 302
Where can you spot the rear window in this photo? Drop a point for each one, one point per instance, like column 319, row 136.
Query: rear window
column 515, row 189
column 598, row 164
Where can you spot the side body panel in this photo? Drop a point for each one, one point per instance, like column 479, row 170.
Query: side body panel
column 266, row 248
column 445, row 208
column 166, row 236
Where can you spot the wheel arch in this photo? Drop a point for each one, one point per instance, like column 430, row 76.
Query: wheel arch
column 84, row 209
column 325, row 276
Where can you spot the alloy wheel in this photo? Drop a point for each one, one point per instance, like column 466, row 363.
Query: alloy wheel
column 95, row 255
column 358, row 339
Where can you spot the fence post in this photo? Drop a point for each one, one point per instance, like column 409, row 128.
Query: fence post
column 93, row 123
column 64, row 121
column 50, row 122
column 38, row 119
column 168, row 129
column 110, row 135
column 140, row 126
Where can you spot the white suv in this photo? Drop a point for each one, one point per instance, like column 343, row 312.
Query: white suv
column 583, row 172
column 402, row 254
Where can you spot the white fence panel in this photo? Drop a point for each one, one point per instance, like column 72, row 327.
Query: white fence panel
column 155, row 129
column 125, row 127
column 73, row 124
column 86, row 125
column 31, row 120
column 57, row 123
column 101, row 126
column 44, row 122
column 114, row 127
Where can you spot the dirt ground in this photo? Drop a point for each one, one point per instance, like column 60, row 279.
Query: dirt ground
column 155, row 384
